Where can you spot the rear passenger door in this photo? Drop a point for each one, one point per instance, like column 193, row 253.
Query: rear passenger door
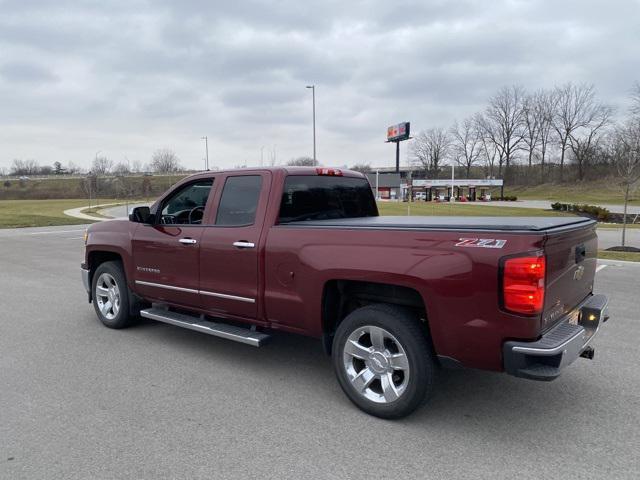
column 229, row 250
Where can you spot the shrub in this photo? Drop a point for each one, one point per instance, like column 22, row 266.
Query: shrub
column 593, row 211
column 7, row 183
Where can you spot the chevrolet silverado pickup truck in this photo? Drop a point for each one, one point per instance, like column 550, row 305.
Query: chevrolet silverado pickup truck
column 242, row 254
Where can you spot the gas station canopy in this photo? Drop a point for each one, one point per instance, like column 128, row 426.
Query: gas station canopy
column 497, row 182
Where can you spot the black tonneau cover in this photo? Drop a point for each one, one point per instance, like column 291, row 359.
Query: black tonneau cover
column 530, row 224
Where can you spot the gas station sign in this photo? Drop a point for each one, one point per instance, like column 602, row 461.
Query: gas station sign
column 399, row 132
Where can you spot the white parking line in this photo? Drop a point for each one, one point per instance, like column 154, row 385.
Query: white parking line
column 617, row 263
column 600, row 267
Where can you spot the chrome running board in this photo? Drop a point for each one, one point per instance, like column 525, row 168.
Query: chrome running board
column 222, row 330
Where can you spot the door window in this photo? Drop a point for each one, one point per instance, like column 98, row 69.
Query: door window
column 239, row 201
column 186, row 206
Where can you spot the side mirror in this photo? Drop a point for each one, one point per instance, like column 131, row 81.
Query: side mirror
column 141, row 215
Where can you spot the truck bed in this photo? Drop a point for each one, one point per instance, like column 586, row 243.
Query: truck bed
column 514, row 224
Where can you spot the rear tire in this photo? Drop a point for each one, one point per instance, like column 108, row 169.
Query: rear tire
column 383, row 360
column 111, row 295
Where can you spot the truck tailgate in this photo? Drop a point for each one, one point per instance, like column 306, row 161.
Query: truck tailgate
column 571, row 267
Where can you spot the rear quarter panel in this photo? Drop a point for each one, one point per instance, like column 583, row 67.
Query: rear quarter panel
column 459, row 285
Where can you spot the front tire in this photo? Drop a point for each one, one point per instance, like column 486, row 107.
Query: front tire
column 111, row 295
column 383, row 360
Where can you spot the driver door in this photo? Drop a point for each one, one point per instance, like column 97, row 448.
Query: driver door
column 166, row 254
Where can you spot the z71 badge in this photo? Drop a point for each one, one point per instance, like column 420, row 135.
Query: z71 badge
column 481, row 242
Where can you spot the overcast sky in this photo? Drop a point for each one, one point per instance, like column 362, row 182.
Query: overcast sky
column 127, row 77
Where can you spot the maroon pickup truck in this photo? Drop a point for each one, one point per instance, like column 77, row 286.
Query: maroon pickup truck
column 241, row 254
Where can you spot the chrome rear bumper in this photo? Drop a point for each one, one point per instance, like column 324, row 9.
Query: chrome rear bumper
column 545, row 358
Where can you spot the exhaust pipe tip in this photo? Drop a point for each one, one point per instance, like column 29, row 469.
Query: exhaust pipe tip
column 588, row 352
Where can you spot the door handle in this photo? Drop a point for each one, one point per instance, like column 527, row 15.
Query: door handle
column 244, row 244
column 188, row 241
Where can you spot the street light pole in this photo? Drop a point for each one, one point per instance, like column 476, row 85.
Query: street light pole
column 95, row 164
column 453, row 176
column 313, row 92
column 206, row 148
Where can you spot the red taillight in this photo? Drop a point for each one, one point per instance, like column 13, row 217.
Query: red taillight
column 332, row 172
column 523, row 284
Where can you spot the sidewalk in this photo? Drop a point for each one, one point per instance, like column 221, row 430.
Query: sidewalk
column 77, row 213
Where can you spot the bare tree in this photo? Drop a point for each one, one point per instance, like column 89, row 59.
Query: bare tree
column 165, row 160
column 122, row 168
column 466, row 143
column 429, row 149
column 635, row 100
column 302, row 162
column 545, row 109
column 45, row 170
column 101, row 165
column 531, row 127
column 534, row 121
column 504, row 122
column 361, row 167
column 627, row 159
column 73, row 169
column 490, row 150
column 575, row 108
column 18, row 167
column 584, row 140
column 136, row 166
column 25, row 167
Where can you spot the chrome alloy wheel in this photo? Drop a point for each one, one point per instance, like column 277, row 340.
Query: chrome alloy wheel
column 376, row 364
column 108, row 296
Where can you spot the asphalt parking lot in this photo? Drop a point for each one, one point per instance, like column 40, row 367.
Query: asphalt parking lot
column 80, row 401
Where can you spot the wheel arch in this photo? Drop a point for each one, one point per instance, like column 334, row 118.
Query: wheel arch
column 340, row 297
column 96, row 256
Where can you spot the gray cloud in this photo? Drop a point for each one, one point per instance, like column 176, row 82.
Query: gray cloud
column 23, row 72
column 130, row 76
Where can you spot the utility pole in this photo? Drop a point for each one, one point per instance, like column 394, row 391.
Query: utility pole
column 313, row 92
column 261, row 156
column 206, row 148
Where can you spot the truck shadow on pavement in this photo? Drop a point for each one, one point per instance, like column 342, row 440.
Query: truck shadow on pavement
column 468, row 400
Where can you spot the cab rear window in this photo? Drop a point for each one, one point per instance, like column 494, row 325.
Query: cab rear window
column 326, row 197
